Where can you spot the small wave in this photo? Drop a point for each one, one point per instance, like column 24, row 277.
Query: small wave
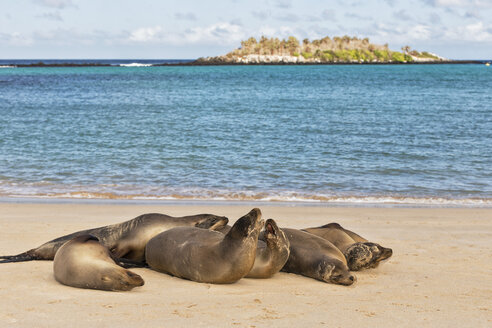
column 266, row 197
column 135, row 65
column 7, row 66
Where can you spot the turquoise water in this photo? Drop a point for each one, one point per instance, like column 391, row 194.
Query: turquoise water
column 419, row 133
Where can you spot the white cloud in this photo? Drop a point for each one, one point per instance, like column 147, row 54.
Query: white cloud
column 16, row 39
column 476, row 32
column 53, row 16
column 216, row 33
column 71, row 36
column 281, row 32
column 59, row 4
column 283, row 4
column 459, row 3
column 419, row 32
column 147, row 34
column 219, row 33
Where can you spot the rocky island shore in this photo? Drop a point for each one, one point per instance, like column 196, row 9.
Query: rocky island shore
column 336, row 50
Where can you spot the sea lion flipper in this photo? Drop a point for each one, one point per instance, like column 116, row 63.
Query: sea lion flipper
column 22, row 257
column 127, row 264
column 118, row 252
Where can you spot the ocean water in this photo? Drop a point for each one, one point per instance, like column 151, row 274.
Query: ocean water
column 397, row 134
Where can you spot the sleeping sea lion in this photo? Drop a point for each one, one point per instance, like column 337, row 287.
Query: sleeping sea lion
column 84, row 263
column 315, row 257
column 207, row 256
column 360, row 253
column 125, row 240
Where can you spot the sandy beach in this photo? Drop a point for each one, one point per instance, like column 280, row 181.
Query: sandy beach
column 439, row 275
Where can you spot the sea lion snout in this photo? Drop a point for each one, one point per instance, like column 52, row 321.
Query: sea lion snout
column 271, row 227
column 336, row 273
column 124, row 281
column 274, row 236
column 344, row 278
column 255, row 219
column 385, row 253
column 255, row 211
column 134, row 279
column 366, row 255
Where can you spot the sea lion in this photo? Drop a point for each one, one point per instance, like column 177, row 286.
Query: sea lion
column 317, row 258
column 125, row 240
column 360, row 253
column 271, row 254
column 84, row 263
column 207, row 256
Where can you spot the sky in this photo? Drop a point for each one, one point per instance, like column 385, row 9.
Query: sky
column 186, row 29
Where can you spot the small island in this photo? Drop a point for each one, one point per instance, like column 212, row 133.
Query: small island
column 336, row 50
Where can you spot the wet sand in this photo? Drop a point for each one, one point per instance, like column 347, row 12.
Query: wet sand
column 440, row 274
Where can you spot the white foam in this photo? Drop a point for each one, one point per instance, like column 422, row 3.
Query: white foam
column 7, row 66
column 135, row 65
column 436, row 201
column 50, row 191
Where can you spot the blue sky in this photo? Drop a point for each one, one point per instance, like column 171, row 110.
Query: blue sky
column 458, row 29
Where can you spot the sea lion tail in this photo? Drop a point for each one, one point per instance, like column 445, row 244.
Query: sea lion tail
column 22, row 257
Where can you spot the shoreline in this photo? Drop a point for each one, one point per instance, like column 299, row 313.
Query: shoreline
column 438, row 276
column 221, row 202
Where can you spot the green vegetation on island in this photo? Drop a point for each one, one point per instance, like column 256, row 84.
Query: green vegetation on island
column 344, row 49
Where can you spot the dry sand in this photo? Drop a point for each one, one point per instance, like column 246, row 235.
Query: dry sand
column 439, row 276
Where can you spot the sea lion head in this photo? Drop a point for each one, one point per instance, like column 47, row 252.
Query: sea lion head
column 248, row 225
column 366, row 255
column 337, row 272
column 274, row 237
column 212, row 222
column 119, row 280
